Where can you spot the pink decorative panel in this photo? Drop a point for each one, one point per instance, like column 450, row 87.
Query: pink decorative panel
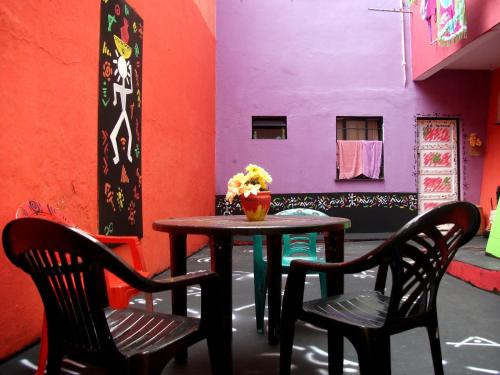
column 436, row 159
column 437, row 184
column 436, row 133
column 437, row 162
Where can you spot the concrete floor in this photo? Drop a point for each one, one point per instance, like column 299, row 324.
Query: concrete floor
column 469, row 322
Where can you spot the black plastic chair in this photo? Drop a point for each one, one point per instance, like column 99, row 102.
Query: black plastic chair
column 67, row 265
column 417, row 256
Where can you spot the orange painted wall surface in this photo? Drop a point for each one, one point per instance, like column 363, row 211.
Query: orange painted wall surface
column 481, row 16
column 48, row 116
column 491, row 169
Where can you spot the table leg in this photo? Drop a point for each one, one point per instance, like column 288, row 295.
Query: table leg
column 334, row 252
column 221, row 246
column 274, row 287
column 178, row 267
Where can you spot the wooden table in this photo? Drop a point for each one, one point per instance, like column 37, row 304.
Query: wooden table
column 222, row 229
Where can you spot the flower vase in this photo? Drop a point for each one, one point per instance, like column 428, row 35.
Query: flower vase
column 256, row 207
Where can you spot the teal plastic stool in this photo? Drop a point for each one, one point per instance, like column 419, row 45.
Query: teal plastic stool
column 295, row 246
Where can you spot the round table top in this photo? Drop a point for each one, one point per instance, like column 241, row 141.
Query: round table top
column 238, row 224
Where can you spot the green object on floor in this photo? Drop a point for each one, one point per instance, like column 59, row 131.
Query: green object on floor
column 295, row 246
column 493, row 245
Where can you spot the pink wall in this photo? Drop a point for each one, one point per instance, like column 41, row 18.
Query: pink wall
column 48, row 112
column 313, row 61
column 491, row 175
column 481, row 16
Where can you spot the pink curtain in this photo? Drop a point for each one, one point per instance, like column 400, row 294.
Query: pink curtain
column 350, row 159
column 372, row 158
column 359, row 157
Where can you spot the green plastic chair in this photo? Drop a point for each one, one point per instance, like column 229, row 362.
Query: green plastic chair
column 295, row 246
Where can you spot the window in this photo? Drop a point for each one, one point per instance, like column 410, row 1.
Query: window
column 356, row 158
column 268, row 127
column 359, row 128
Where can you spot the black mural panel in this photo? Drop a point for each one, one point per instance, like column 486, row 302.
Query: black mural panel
column 368, row 212
column 119, row 120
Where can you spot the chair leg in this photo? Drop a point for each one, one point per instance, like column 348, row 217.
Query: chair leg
column 335, row 353
column 322, row 283
column 217, row 362
column 437, row 358
column 42, row 356
column 374, row 354
column 132, row 367
column 55, row 358
column 260, row 290
column 148, row 297
column 287, row 333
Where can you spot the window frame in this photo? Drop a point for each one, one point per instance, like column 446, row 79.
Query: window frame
column 270, row 122
column 380, row 134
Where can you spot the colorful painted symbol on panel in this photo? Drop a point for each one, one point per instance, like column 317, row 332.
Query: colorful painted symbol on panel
column 120, row 198
column 124, row 31
column 109, row 194
column 107, row 70
column 108, row 229
column 105, row 50
column 123, row 74
column 111, row 21
column 131, row 213
column 124, row 178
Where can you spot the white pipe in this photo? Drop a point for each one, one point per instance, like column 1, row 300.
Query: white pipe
column 403, row 47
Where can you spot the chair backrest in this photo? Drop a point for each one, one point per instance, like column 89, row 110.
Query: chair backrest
column 128, row 247
column 419, row 254
column 67, row 266
column 34, row 208
column 299, row 245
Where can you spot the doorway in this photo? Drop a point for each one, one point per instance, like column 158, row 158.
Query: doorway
column 437, row 152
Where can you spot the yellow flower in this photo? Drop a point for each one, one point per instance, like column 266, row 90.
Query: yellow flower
column 251, row 189
column 236, row 186
column 259, row 175
column 255, row 180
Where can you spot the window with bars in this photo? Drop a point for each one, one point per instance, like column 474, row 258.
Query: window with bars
column 359, row 128
column 268, row 127
column 356, row 130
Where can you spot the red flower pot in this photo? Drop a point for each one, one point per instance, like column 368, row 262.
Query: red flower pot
column 256, row 207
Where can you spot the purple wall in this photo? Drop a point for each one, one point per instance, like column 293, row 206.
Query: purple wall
column 312, row 61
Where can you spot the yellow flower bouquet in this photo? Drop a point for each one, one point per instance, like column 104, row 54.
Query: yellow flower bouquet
column 252, row 188
column 254, row 180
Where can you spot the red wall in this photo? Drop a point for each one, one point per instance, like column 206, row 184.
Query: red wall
column 491, row 169
column 48, row 117
column 481, row 16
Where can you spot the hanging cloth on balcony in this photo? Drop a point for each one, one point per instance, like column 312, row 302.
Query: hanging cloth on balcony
column 451, row 20
column 372, row 158
column 349, row 159
column 427, row 10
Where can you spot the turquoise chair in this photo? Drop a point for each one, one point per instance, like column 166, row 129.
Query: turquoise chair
column 295, row 246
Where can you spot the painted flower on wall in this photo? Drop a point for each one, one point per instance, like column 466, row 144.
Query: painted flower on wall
column 474, row 140
column 475, row 144
column 254, row 180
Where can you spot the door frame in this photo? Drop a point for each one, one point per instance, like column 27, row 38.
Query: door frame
column 458, row 152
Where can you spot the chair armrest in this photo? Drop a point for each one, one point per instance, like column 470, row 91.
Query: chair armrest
column 188, row 279
column 117, row 266
column 360, row 264
column 145, row 284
